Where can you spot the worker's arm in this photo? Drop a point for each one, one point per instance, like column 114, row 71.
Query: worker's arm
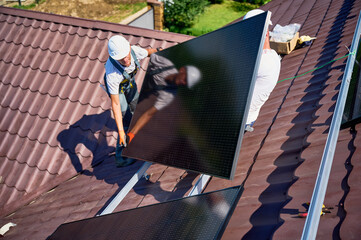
column 153, row 50
column 117, row 111
column 144, row 119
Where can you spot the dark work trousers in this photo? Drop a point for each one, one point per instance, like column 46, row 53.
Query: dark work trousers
column 127, row 99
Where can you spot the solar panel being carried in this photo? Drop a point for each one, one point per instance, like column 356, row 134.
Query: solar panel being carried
column 203, row 216
column 195, row 97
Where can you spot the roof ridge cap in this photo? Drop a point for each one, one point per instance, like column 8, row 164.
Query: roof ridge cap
column 95, row 24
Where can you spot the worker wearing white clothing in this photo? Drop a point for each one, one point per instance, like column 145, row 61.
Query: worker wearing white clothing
column 266, row 79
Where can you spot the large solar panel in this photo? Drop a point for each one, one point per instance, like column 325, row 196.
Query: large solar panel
column 202, row 216
column 352, row 111
column 198, row 123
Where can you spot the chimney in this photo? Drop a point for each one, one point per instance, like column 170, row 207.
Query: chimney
column 158, row 13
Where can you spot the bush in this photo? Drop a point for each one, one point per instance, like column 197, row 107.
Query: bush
column 123, row 1
column 216, row 1
column 180, row 14
column 243, row 7
column 257, row 2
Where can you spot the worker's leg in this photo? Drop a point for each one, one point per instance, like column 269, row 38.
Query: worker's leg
column 119, row 160
column 259, row 97
column 132, row 97
column 134, row 102
column 123, row 103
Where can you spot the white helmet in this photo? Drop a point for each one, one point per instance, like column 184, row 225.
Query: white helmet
column 118, row 47
column 193, row 75
column 253, row 13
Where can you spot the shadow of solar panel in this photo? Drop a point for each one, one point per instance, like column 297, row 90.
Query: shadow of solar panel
column 202, row 216
column 194, row 100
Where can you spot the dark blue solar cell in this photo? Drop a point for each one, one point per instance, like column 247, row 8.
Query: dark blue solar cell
column 202, row 216
column 194, row 100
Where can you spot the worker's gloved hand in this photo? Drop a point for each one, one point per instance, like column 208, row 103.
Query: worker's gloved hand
column 130, row 137
column 122, row 139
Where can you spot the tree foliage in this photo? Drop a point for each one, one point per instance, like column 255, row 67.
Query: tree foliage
column 257, row 2
column 216, row 1
column 180, row 14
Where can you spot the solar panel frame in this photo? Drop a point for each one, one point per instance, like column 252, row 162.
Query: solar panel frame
column 202, row 49
column 352, row 111
column 203, row 216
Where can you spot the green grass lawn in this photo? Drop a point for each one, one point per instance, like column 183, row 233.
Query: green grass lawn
column 29, row 6
column 96, row 9
column 218, row 15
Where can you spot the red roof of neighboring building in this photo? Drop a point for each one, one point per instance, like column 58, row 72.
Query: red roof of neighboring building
column 55, row 120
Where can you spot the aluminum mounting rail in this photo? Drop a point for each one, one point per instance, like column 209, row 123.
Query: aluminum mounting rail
column 197, row 188
column 319, row 191
column 126, row 189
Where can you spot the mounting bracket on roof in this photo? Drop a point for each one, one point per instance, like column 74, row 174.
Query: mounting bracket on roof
column 126, row 189
column 197, row 188
column 200, row 184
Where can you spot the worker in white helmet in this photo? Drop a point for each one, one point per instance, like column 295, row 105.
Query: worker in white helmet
column 163, row 80
column 267, row 76
column 120, row 70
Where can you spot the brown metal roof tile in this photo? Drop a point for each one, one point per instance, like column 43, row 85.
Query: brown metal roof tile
column 283, row 8
column 279, row 160
column 304, row 99
column 6, row 144
column 22, row 172
column 349, row 209
column 333, row 194
column 62, row 127
column 10, row 194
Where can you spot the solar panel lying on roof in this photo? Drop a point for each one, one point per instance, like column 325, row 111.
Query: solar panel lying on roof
column 194, row 100
column 202, row 216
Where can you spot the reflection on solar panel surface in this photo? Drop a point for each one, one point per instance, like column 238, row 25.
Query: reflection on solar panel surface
column 202, row 216
column 191, row 112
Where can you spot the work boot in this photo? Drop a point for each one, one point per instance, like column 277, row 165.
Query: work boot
column 122, row 161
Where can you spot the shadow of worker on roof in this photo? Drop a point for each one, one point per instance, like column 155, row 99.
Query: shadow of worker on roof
column 91, row 131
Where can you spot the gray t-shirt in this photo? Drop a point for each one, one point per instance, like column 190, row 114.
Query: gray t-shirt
column 158, row 69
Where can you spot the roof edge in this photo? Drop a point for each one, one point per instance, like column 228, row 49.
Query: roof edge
column 26, row 199
column 95, row 24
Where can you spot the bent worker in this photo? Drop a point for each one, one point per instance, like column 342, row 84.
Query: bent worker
column 120, row 70
column 163, row 80
column 267, row 76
